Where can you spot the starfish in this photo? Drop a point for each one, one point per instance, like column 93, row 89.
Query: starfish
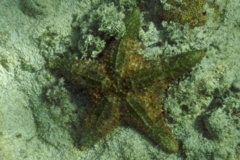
column 126, row 89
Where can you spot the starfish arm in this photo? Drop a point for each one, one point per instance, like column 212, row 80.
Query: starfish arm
column 98, row 121
column 118, row 51
column 145, row 114
column 133, row 25
column 85, row 73
column 176, row 66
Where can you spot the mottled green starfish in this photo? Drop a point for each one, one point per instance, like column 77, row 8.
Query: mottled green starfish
column 126, row 89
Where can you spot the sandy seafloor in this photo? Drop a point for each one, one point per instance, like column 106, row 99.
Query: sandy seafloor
column 39, row 116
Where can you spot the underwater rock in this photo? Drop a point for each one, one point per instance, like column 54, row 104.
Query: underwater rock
column 219, row 126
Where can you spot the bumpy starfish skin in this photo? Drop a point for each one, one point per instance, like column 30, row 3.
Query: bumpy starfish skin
column 126, row 89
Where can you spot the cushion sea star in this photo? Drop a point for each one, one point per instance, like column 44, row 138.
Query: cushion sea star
column 126, row 89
